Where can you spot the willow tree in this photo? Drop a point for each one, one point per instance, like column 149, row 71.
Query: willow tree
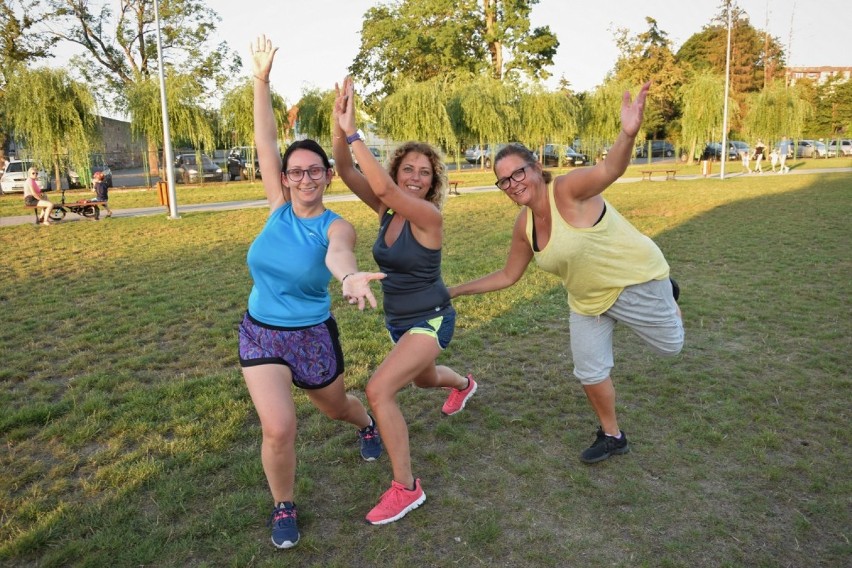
column 778, row 111
column 55, row 115
column 602, row 112
column 314, row 115
column 187, row 120
column 417, row 111
column 121, row 52
column 484, row 110
column 547, row 117
column 703, row 102
column 237, row 117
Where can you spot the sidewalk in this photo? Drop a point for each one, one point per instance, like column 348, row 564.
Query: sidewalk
column 231, row 205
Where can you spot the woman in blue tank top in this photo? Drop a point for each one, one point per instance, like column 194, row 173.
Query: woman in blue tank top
column 418, row 311
column 288, row 335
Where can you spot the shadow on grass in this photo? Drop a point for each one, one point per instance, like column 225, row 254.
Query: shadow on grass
column 134, row 442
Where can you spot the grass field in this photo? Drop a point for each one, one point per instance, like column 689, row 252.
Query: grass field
column 129, row 438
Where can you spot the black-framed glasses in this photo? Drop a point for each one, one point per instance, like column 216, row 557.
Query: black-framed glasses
column 314, row 172
column 517, row 175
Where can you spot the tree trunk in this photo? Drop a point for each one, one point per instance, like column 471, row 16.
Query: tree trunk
column 495, row 46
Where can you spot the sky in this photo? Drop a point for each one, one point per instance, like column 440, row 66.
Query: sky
column 318, row 39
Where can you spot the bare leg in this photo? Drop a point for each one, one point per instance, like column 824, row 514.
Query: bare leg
column 602, row 398
column 412, row 359
column 334, row 402
column 270, row 390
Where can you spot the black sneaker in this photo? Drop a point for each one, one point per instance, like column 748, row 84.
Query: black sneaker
column 285, row 533
column 371, row 442
column 604, row 447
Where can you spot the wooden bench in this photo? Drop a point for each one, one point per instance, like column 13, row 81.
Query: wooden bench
column 454, row 186
column 35, row 209
column 670, row 174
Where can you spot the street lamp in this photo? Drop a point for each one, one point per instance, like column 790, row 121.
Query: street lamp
column 725, row 112
column 167, row 135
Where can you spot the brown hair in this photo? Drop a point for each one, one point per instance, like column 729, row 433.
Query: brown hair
column 517, row 149
column 438, row 189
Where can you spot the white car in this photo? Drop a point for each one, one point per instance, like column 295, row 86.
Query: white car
column 16, row 173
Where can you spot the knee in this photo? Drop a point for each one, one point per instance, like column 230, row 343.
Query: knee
column 670, row 349
column 377, row 394
column 337, row 412
column 279, row 436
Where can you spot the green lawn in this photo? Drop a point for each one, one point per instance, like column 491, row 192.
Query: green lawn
column 129, row 438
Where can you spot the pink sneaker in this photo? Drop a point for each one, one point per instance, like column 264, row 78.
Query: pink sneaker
column 458, row 398
column 395, row 503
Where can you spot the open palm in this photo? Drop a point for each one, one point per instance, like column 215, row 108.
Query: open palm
column 631, row 112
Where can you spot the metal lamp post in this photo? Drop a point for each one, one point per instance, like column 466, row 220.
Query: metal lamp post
column 167, row 135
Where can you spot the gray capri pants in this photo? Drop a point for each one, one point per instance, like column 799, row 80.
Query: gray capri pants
column 649, row 309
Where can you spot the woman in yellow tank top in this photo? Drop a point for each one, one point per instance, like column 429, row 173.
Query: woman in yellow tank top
column 611, row 272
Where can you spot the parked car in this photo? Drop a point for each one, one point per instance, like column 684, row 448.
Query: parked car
column 713, row 150
column 187, row 170
column 239, row 162
column 561, row 156
column 16, row 173
column 98, row 164
column 845, row 148
column 373, row 150
column 805, row 149
column 482, row 154
column 659, row 149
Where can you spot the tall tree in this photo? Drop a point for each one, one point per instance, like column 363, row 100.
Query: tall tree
column 547, row 117
column 237, row 117
column 55, row 115
column 417, row 111
column 602, row 119
column 314, row 114
column 648, row 56
column 778, row 111
column 465, row 37
column 21, row 44
column 756, row 57
column 703, row 102
column 484, row 110
column 122, row 50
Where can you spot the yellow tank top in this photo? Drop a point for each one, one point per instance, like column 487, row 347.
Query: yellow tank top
column 597, row 263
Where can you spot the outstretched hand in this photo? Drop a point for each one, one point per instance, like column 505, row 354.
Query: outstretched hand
column 262, row 54
column 344, row 105
column 356, row 288
column 631, row 112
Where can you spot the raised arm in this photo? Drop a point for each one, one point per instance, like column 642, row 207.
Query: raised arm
column 588, row 182
column 421, row 213
column 520, row 255
column 340, row 260
column 265, row 127
column 343, row 163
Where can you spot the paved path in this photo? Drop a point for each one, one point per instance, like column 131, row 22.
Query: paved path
column 230, row 205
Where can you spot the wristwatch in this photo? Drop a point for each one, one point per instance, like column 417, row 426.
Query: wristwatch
column 357, row 136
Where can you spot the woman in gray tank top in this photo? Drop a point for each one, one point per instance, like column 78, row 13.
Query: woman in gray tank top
column 418, row 312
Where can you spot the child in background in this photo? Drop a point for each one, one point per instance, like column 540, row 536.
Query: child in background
column 101, row 191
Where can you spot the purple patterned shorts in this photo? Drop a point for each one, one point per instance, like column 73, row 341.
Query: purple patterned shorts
column 313, row 354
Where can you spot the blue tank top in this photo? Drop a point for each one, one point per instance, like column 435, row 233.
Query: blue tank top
column 413, row 289
column 287, row 264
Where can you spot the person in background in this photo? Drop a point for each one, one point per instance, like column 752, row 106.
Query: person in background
column 773, row 159
column 288, row 335
column 419, row 315
column 34, row 196
column 612, row 272
column 783, row 151
column 101, row 191
column 745, row 157
column 759, row 150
